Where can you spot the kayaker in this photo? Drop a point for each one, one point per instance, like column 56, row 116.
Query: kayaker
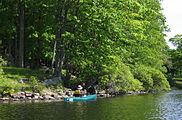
column 80, row 92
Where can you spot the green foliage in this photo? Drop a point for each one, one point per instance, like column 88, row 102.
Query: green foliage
column 178, row 79
column 151, row 78
column 1, row 70
column 33, row 80
column 176, row 56
column 19, row 73
column 9, row 82
column 110, row 41
column 123, row 79
column 9, row 86
column 118, row 76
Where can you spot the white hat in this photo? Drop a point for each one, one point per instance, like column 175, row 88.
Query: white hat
column 79, row 87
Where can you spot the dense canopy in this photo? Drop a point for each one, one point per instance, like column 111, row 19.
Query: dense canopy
column 118, row 43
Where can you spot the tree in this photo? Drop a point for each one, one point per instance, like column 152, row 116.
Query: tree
column 176, row 56
column 21, row 10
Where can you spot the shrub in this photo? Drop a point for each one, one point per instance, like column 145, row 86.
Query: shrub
column 33, row 80
column 1, row 70
column 151, row 78
column 121, row 78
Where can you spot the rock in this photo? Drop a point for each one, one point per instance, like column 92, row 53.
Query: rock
column 60, row 93
column 60, row 97
column 42, row 98
column 142, row 92
column 22, row 97
column 101, row 95
column 53, row 81
column 36, row 97
column 102, row 92
column 28, row 94
column 29, row 98
column 68, row 92
column 65, row 96
column 51, row 98
column 130, row 92
column 46, row 97
column 4, row 99
column 23, row 80
column 107, row 95
column 15, row 99
column 36, row 94
column 21, row 93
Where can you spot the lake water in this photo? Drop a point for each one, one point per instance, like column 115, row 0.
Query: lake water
column 160, row 106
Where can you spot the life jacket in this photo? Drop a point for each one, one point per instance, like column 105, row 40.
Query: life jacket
column 77, row 91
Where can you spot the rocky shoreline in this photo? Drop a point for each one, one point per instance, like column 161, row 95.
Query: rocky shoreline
column 48, row 96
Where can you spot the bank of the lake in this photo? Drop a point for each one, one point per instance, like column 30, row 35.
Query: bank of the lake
column 158, row 106
column 57, row 95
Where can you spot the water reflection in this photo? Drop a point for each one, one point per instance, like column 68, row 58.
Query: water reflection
column 163, row 106
column 169, row 106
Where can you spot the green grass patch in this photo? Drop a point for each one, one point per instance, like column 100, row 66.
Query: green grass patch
column 19, row 73
column 9, row 82
column 177, row 79
column 179, row 82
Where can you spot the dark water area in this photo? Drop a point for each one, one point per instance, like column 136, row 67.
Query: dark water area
column 160, row 106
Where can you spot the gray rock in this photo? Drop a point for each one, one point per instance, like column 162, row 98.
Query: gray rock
column 108, row 95
column 28, row 94
column 101, row 95
column 51, row 98
column 15, row 99
column 130, row 92
column 60, row 97
column 4, row 99
column 46, row 97
column 53, row 81
column 36, row 94
column 61, row 93
column 102, row 92
column 21, row 81
column 29, row 98
column 22, row 97
column 41, row 98
column 36, row 97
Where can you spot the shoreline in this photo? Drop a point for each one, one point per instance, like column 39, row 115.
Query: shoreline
column 48, row 96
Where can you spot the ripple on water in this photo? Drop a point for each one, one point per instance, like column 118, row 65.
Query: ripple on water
column 163, row 106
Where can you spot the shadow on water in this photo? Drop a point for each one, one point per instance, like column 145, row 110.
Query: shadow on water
column 161, row 106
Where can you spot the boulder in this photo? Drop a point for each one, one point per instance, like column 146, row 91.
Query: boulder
column 29, row 98
column 28, row 94
column 41, row 98
column 4, row 99
column 130, row 92
column 46, row 97
column 36, row 97
column 60, row 97
column 52, row 81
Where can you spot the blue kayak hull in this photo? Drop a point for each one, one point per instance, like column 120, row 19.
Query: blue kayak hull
column 87, row 98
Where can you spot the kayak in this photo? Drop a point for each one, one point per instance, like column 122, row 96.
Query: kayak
column 87, row 98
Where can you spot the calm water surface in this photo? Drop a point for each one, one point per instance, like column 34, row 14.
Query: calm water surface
column 161, row 106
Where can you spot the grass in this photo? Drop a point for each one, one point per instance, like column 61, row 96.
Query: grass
column 9, row 81
column 177, row 79
column 19, row 73
column 178, row 82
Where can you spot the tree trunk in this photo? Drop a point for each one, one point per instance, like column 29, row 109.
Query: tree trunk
column 60, row 54
column 21, row 41
column 53, row 56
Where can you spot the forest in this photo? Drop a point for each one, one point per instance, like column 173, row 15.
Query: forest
column 119, row 44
